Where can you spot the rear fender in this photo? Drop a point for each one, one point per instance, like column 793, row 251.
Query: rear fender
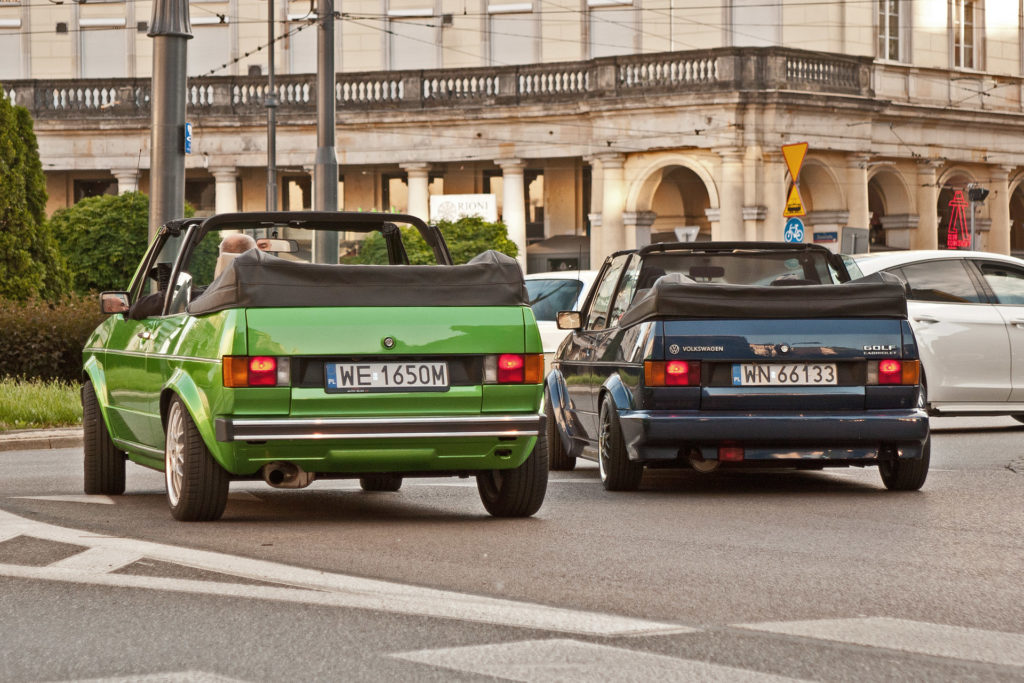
column 559, row 397
column 613, row 389
column 182, row 386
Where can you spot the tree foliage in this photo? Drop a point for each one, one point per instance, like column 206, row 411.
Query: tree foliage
column 104, row 238
column 466, row 238
column 30, row 264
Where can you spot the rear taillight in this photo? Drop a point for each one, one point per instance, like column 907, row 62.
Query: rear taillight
column 672, row 373
column 893, row 371
column 256, row 371
column 514, row 368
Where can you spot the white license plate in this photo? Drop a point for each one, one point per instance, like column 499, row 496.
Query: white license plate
column 366, row 377
column 780, row 374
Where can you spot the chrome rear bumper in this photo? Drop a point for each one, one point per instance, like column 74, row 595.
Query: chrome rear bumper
column 441, row 426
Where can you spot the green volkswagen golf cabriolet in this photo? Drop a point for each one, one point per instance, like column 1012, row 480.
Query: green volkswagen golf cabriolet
column 264, row 365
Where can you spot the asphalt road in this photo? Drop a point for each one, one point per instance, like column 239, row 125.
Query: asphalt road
column 813, row 576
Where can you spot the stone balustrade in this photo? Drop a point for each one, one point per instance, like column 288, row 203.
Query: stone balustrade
column 632, row 75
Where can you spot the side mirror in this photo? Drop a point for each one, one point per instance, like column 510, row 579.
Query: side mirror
column 277, row 246
column 114, row 302
column 569, row 320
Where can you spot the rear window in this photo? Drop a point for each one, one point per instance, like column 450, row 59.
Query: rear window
column 548, row 297
column 739, row 268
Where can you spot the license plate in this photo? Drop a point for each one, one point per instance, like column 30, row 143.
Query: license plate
column 367, row 377
column 779, row 374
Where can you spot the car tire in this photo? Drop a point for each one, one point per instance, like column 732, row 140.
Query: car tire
column 518, row 492
column 559, row 459
column 618, row 473
column 906, row 475
column 104, row 463
column 380, row 482
column 197, row 486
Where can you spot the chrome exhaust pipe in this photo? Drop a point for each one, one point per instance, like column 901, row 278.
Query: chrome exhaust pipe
column 286, row 475
column 698, row 462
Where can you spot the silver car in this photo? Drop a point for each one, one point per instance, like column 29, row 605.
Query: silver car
column 967, row 311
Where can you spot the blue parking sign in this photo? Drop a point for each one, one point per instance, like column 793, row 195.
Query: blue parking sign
column 794, row 230
column 188, row 138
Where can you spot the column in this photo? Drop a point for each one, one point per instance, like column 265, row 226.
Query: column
column 225, row 187
column 999, row 210
column 613, row 199
column 127, row 179
column 857, row 191
column 927, row 234
column 419, row 196
column 730, row 218
column 775, row 188
column 594, row 211
column 637, row 228
column 513, row 200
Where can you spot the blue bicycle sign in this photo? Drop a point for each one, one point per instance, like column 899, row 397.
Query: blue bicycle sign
column 794, row 230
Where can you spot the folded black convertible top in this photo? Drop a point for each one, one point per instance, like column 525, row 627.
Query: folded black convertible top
column 257, row 279
column 879, row 295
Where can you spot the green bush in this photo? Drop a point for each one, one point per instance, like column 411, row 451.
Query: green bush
column 466, row 238
column 43, row 340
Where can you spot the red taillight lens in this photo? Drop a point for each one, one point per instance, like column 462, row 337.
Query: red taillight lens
column 256, row 371
column 894, row 371
column 262, row 371
column 673, row 373
column 677, row 373
column 511, row 368
column 730, row 454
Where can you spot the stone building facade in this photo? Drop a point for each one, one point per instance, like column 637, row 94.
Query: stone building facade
column 619, row 120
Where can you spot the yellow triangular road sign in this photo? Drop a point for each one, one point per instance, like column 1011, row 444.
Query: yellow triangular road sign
column 794, row 155
column 794, row 205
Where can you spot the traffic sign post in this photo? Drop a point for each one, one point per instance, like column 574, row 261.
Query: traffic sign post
column 794, row 155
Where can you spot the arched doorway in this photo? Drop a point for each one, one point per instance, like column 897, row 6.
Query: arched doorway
column 1017, row 221
column 681, row 201
column 889, row 208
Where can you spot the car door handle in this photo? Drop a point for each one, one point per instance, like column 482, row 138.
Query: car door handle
column 145, row 335
column 1017, row 322
column 925, row 319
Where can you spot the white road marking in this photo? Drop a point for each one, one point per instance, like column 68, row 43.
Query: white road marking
column 81, row 498
column 170, row 677
column 315, row 587
column 570, row 661
column 97, row 561
column 938, row 640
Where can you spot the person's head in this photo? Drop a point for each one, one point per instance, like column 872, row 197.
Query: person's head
column 236, row 243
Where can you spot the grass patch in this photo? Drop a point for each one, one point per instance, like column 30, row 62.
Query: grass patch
column 34, row 404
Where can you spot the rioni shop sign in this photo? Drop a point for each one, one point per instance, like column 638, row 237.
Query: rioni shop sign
column 452, row 207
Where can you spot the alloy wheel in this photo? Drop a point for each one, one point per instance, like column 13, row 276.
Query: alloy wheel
column 174, row 453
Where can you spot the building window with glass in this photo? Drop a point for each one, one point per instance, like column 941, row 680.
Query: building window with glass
column 512, row 33
column 104, row 48
column 965, row 15
column 755, row 23
column 209, row 51
column 890, row 28
column 10, row 47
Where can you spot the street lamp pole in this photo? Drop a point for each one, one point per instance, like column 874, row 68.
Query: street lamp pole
column 325, row 168
column 271, row 104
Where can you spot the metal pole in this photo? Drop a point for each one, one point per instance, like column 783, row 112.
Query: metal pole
column 972, row 205
column 271, row 104
column 325, row 167
column 170, row 29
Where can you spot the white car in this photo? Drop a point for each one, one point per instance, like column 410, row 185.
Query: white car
column 967, row 312
column 549, row 293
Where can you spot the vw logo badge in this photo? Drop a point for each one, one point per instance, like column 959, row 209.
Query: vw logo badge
column 389, row 342
column 674, row 349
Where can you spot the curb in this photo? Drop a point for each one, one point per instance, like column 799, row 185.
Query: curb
column 36, row 439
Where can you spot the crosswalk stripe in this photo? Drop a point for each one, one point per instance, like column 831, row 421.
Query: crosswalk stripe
column 97, row 560
column 938, row 640
column 573, row 661
column 316, row 587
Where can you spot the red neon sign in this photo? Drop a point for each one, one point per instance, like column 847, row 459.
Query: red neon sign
column 959, row 236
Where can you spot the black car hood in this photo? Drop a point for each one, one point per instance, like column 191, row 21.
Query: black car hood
column 879, row 295
column 257, row 279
